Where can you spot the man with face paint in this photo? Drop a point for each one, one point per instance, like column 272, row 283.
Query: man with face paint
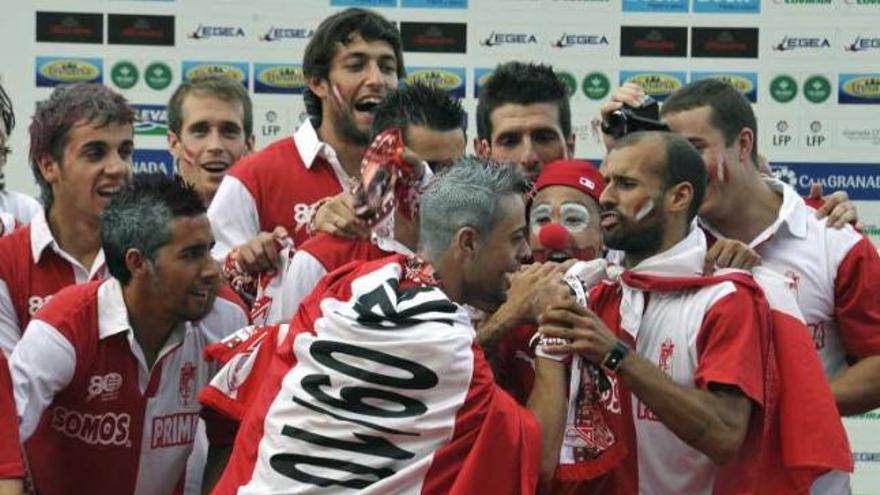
column 834, row 270
column 210, row 126
column 687, row 399
column 351, row 62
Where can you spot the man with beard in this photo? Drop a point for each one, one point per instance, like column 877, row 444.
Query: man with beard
column 210, row 126
column 107, row 373
column 351, row 62
column 80, row 152
column 833, row 269
column 420, row 412
column 432, row 127
column 688, row 399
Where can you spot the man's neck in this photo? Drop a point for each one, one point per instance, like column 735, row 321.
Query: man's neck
column 349, row 154
column 751, row 208
column 77, row 235
column 151, row 324
column 673, row 236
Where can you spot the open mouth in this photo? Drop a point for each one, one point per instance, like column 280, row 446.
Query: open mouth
column 215, row 167
column 367, row 104
column 108, row 192
column 608, row 219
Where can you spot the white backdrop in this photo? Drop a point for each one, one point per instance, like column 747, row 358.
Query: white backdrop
column 812, row 67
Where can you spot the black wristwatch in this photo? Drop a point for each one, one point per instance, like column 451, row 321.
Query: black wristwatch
column 612, row 360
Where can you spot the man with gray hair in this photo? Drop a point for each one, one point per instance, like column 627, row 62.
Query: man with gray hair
column 108, row 371
column 378, row 383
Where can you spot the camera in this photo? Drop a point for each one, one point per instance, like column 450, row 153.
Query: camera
column 628, row 119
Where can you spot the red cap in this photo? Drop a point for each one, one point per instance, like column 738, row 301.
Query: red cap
column 579, row 174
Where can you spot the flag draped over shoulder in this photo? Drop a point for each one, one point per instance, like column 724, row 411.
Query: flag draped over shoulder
column 376, row 384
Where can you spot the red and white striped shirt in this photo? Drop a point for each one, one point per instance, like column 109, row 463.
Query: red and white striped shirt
column 33, row 267
column 94, row 417
column 10, row 448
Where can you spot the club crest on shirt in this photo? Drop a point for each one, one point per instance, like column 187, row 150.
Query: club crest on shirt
column 187, row 387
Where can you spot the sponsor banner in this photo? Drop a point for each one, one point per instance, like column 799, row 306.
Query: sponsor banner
column 514, row 39
column 727, row 6
column 859, row 134
column 148, row 161
column 569, row 80
column 817, row 134
column 596, row 86
column 574, row 40
column 434, row 37
column 653, row 41
column 658, row 84
column 862, row 44
column 481, row 75
column 724, row 42
column 452, row 79
column 803, row 4
column 279, row 78
column 679, row 6
column 152, row 30
column 53, row 71
column 805, row 44
column 283, row 33
column 783, row 88
column 70, row 27
column 858, row 89
column 745, row 82
column 861, row 181
column 363, row 3
column 783, row 135
column 270, row 123
column 158, row 76
column 817, row 88
column 150, row 120
column 220, row 32
column 124, row 74
column 860, row 6
column 237, row 71
column 435, row 4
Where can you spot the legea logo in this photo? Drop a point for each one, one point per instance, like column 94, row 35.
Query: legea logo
column 568, row 40
column 206, row 32
column 496, row 39
column 790, row 43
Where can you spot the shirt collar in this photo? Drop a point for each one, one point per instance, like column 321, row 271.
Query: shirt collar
column 41, row 235
column 683, row 259
column 391, row 245
column 112, row 313
column 310, row 145
column 793, row 214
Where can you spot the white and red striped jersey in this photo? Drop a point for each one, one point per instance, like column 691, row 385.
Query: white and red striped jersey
column 8, row 223
column 834, row 273
column 94, row 417
column 275, row 186
column 702, row 331
column 22, row 207
column 321, row 255
column 10, row 448
column 33, row 267
column 376, row 385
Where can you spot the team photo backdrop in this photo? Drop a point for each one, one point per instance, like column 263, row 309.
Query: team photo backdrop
column 811, row 68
